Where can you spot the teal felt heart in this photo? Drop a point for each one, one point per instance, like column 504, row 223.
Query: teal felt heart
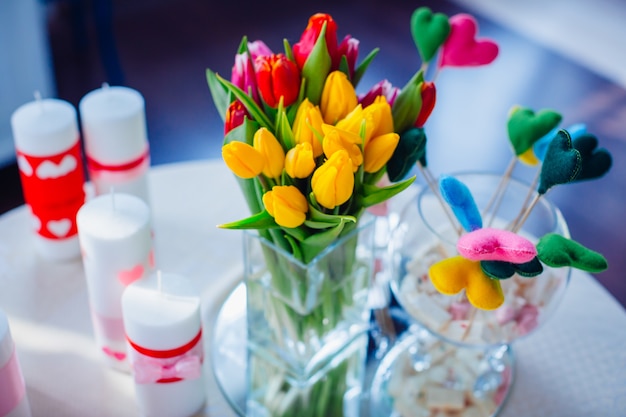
column 558, row 251
column 429, row 31
column 561, row 164
column 504, row 270
column 410, row 149
column 596, row 161
column 525, row 127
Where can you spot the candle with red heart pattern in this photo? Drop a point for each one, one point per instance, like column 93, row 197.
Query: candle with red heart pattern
column 164, row 333
column 116, row 143
column 45, row 132
column 13, row 399
column 116, row 246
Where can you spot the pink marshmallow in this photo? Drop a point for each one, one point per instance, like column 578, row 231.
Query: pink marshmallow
column 496, row 245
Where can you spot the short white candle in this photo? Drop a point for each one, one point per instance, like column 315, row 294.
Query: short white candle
column 13, row 399
column 116, row 143
column 163, row 328
column 116, row 243
column 46, row 137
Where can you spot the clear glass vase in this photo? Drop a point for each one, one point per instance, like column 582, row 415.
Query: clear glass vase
column 307, row 326
column 458, row 358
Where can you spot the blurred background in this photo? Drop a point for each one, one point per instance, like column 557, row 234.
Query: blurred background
column 558, row 54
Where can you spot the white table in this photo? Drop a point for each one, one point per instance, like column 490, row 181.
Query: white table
column 574, row 366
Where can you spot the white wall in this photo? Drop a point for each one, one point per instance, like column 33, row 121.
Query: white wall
column 25, row 63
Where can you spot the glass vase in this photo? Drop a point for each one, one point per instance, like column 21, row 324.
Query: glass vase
column 458, row 358
column 307, row 326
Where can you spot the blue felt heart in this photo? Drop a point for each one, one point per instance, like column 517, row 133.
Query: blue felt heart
column 460, row 199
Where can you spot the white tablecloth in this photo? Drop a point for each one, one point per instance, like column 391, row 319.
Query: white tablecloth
column 573, row 366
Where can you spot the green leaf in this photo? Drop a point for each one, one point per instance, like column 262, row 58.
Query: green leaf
column 288, row 50
column 243, row 132
column 316, row 68
column 373, row 195
column 243, row 45
column 262, row 220
column 314, row 244
column 408, row 104
column 284, row 133
column 343, row 67
column 219, row 94
column 321, row 217
column 296, row 251
column 362, row 67
column 255, row 111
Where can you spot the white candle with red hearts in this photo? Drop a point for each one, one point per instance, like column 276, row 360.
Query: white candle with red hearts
column 45, row 132
column 164, row 332
column 113, row 122
column 116, row 246
column 13, row 398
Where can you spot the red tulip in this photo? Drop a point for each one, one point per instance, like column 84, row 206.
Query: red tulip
column 303, row 48
column 429, row 97
column 382, row 88
column 277, row 77
column 350, row 48
column 235, row 116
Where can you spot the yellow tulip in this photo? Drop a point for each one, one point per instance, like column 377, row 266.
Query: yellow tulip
column 353, row 121
column 338, row 97
column 333, row 181
column 337, row 139
column 287, row 205
column 308, row 125
column 242, row 159
column 379, row 150
column 299, row 161
column 272, row 152
column 382, row 120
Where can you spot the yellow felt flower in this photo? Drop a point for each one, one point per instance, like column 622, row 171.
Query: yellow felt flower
column 299, row 161
column 333, row 181
column 287, row 205
column 307, row 126
column 451, row 275
column 272, row 152
column 336, row 139
column 379, row 150
column 338, row 97
column 242, row 159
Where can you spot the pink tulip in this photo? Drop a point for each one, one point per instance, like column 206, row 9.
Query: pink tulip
column 382, row 88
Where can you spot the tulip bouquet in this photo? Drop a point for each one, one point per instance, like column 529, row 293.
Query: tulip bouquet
column 311, row 155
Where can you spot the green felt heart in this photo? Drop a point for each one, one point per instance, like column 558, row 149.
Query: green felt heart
column 561, row 164
column 525, row 127
column 410, row 149
column 429, row 31
column 596, row 161
column 558, row 251
column 504, row 270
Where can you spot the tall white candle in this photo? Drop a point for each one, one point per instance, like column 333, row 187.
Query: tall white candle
column 13, row 399
column 116, row 143
column 164, row 332
column 116, row 243
column 46, row 137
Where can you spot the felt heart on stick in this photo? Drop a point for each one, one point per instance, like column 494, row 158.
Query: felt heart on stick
column 451, row 275
column 462, row 49
column 491, row 244
column 429, row 31
column 540, row 147
column 561, row 164
column 504, row 270
column 558, row 251
column 460, row 199
column 596, row 161
column 525, row 127
column 410, row 149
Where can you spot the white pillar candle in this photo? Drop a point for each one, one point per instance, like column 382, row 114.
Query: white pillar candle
column 164, row 333
column 47, row 144
column 116, row 244
column 13, row 399
column 116, row 144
